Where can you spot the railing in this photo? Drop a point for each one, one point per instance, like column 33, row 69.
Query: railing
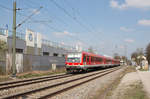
column 44, row 41
column 57, row 45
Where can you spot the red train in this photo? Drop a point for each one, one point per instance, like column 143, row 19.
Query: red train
column 79, row 61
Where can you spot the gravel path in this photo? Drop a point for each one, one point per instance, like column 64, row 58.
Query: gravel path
column 90, row 89
column 128, row 79
column 145, row 78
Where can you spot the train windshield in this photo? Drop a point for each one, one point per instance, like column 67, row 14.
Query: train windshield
column 74, row 58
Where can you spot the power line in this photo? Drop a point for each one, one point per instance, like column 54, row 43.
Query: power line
column 29, row 17
column 47, row 11
column 5, row 7
column 75, row 10
column 68, row 14
column 55, row 29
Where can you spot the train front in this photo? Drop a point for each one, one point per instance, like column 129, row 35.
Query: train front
column 74, row 62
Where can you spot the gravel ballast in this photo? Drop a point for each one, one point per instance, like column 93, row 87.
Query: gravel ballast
column 90, row 89
column 34, row 86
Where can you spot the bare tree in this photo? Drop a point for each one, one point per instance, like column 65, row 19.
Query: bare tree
column 138, row 53
column 148, row 52
column 134, row 56
column 116, row 56
column 90, row 49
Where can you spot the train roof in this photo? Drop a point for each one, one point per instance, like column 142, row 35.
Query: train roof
column 92, row 54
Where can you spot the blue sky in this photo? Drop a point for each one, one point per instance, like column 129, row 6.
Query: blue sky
column 109, row 26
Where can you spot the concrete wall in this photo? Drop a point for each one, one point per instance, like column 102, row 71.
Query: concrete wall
column 35, row 62
column 27, row 62
column 53, row 50
column 20, row 44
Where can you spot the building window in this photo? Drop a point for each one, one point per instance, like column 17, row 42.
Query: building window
column 55, row 54
column 19, row 50
column 63, row 55
column 45, row 53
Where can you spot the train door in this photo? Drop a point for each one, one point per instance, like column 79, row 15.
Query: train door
column 87, row 60
column 84, row 59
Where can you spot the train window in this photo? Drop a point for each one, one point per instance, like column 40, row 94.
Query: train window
column 100, row 59
column 108, row 61
column 73, row 60
column 74, row 57
column 92, row 59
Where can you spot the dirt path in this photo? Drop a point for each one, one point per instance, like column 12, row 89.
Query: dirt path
column 145, row 78
column 124, row 85
column 131, row 87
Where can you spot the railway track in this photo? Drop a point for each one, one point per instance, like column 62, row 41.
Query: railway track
column 47, row 91
column 12, row 84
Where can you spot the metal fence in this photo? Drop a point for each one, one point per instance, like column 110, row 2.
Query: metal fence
column 57, row 45
column 26, row 63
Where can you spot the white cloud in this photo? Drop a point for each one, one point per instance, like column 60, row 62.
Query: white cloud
column 125, row 29
column 115, row 4
column 130, row 3
column 65, row 33
column 129, row 40
column 144, row 22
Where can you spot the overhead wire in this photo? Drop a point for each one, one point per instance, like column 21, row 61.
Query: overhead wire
column 75, row 10
column 44, row 23
column 57, row 30
column 2, row 6
column 47, row 10
column 68, row 14
column 73, row 17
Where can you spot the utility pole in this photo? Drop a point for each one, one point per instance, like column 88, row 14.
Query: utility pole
column 14, row 35
column 14, row 40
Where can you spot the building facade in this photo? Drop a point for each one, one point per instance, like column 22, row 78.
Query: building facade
column 32, row 43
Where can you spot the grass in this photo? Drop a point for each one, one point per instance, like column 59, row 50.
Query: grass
column 4, row 78
column 32, row 74
column 141, row 69
column 39, row 73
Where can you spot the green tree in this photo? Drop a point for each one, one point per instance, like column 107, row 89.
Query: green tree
column 3, row 46
column 3, row 49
